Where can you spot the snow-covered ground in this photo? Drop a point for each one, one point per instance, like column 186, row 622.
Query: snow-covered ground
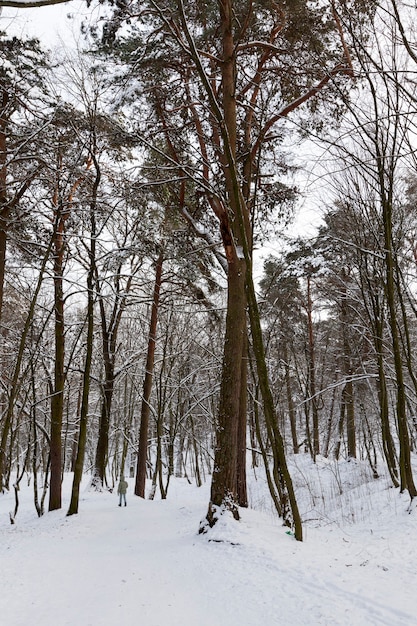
column 146, row 565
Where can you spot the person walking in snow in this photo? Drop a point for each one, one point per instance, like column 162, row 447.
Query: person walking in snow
column 121, row 490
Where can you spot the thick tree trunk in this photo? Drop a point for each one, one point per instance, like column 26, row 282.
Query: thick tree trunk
column 224, row 480
column 147, row 383
column 224, row 487
column 240, row 286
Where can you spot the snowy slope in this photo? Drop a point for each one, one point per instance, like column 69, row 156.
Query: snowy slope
column 146, row 565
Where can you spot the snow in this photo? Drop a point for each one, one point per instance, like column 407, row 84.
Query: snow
column 147, row 564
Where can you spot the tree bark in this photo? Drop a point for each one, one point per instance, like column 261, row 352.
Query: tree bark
column 57, row 400
column 224, row 480
column 4, row 209
column 147, row 383
column 241, row 486
column 236, row 232
column 225, row 474
column 82, row 435
column 290, row 402
column 312, row 372
column 348, row 390
column 104, row 424
column 109, row 331
column 290, row 512
column 406, row 472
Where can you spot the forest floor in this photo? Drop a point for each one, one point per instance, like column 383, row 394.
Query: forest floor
column 146, row 565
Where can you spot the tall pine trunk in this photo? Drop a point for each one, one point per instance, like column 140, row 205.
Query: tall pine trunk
column 224, row 480
column 224, row 488
column 236, row 232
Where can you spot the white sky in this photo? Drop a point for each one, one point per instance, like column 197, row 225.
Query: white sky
column 50, row 24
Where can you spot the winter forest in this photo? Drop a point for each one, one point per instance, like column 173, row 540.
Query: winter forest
column 166, row 312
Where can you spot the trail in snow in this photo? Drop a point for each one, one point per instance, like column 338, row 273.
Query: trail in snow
column 145, row 564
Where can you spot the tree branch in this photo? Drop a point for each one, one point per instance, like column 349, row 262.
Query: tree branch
column 341, row 68
column 29, row 4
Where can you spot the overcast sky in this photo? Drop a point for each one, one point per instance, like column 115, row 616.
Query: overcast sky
column 50, row 24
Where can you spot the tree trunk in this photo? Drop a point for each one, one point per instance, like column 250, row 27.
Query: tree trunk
column 225, row 473
column 290, row 402
column 273, row 490
column 285, row 486
column 340, row 425
column 109, row 331
column 224, row 479
column 57, row 400
column 4, row 214
column 14, row 387
column 82, row 435
column 197, row 474
column 61, row 212
column 347, row 367
column 236, row 233
column 241, row 487
column 329, row 425
column 312, row 372
column 147, row 383
column 378, row 326
column 4, row 209
column 100, row 463
column 387, row 441
column 406, row 473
